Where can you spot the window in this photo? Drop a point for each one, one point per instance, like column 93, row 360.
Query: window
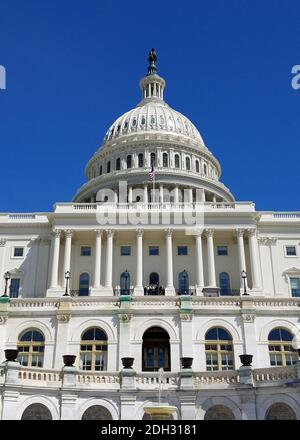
column 295, row 286
column 183, row 283
column 84, row 284
column 93, row 350
column 156, row 350
column 290, row 251
column 100, row 170
column 18, row 252
column 218, row 350
column 85, row 251
column 125, row 283
column 125, row 250
column 31, row 347
column 182, row 250
column 118, row 164
column 177, row 165
column 152, row 159
column 108, row 167
column 141, row 160
column 14, row 287
column 165, row 160
column 187, row 163
column 222, row 250
column 129, row 161
column 281, row 351
column 224, row 281
column 205, row 169
column 153, row 250
column 197, row 166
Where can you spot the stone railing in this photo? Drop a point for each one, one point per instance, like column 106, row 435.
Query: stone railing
column 275, row 374
column 39, row 376
column 98, row 379
column 151, row 380
column 230, row 377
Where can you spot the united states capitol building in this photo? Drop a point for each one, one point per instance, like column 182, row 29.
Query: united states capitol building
column 152, row 265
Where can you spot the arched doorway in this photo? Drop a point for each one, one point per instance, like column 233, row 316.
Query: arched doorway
column 96, row 412
column 219, row 412
column 125, row 283
column 280, row 411
column 156, row 350
column 36, row 411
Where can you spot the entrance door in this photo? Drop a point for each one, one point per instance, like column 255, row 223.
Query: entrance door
column 156, row 350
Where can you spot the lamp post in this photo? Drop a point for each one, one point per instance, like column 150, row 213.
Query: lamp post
column 6, row 277
column 67, row 277
column 244, row 276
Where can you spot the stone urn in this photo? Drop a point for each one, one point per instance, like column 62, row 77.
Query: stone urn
column 127, row 362
column 69, row 360
column 246, row 359
column 186, row 362
column 11, row 354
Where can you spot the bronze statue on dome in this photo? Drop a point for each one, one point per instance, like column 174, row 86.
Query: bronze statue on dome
column 152, row 57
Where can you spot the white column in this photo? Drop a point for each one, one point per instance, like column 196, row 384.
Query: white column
column 256, row 282
column 97, row 265
column 176, row 194
column 169, row 251
column 139, row 289
column 109, row 259
column 211, row 258
column 55, row 259
column 145, row 194
column 161, row 193
column 190, row 194
column 130, row 194
column 67, row 256
column 241, row 254
column 199, row 263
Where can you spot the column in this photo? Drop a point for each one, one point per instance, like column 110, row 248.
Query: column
column 199, row 263
column 176, row 194
column 109, row 259
column 211, row 258
column 190, row 195
column 161, row 193
column 55, row 259
column 241, row 254
column 145, row 194
column 97, row 266
column 67, row 256
column 169, row 251
column 139, row 288
column 2, row 263
column 256, row 282
column 130, row 194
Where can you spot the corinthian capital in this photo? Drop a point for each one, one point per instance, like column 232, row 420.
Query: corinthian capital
column 239, row 232
column 99, row 232
column 209, row 233
column 2, row 242
column 251, row 232
column 109, row 232
column 69, row 233
column 56, row 232
column 169, row 232
column 140, row 232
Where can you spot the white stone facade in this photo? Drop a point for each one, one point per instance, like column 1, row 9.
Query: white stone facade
column 198, row 285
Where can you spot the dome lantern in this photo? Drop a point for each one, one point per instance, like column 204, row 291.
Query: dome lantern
column 152, row 85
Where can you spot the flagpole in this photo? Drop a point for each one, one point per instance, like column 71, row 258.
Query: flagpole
column 153, row 181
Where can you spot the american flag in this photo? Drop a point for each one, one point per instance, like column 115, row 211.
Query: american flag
column 152, row 173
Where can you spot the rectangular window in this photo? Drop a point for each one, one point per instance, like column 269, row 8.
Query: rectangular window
column 125, row 250
column 14, row 288
column 182, row 250
column 222, row 250
column 295, row 286
column 18, row 252
column 85, row 251
column 290, row 251
column 153, row 250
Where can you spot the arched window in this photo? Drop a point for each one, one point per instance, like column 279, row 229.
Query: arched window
column 84, row 284
column 187, row 163
column 280, row 411
column 218, row 350
column 129, row 161
column 125, row 283
column 219, row 412
column 141, row 160
column 156, row 350
column 165, row 160
column 36, row 411
column 281, row 351
column 100, row 170
column 197, row 166
column 93, row 350
column 205, row 169
column 31, row 346
column 183, row 283
column 224, row 281
column 118, row 164
column 108, row 167
column 96, row 412
column 177, row 161
column 152, row 159
column 154, row 278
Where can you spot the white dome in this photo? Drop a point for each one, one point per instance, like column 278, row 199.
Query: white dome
column 153, row 115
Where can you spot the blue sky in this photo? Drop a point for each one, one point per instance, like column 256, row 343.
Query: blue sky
column 73, row 67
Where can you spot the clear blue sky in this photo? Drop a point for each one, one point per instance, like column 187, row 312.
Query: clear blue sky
column 73, row 67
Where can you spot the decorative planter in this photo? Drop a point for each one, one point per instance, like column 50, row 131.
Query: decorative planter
column 186, row 362
column 246, row 359
column 11, row 354
column 69, row 360
column 127, row 362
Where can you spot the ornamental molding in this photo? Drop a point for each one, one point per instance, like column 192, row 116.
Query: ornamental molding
column 292, row 272
column 3, row 319
column 248, row 317
column 63, row 318
column 267, row 241
column 2, row 242
column 186, row 316
column 124, row 317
